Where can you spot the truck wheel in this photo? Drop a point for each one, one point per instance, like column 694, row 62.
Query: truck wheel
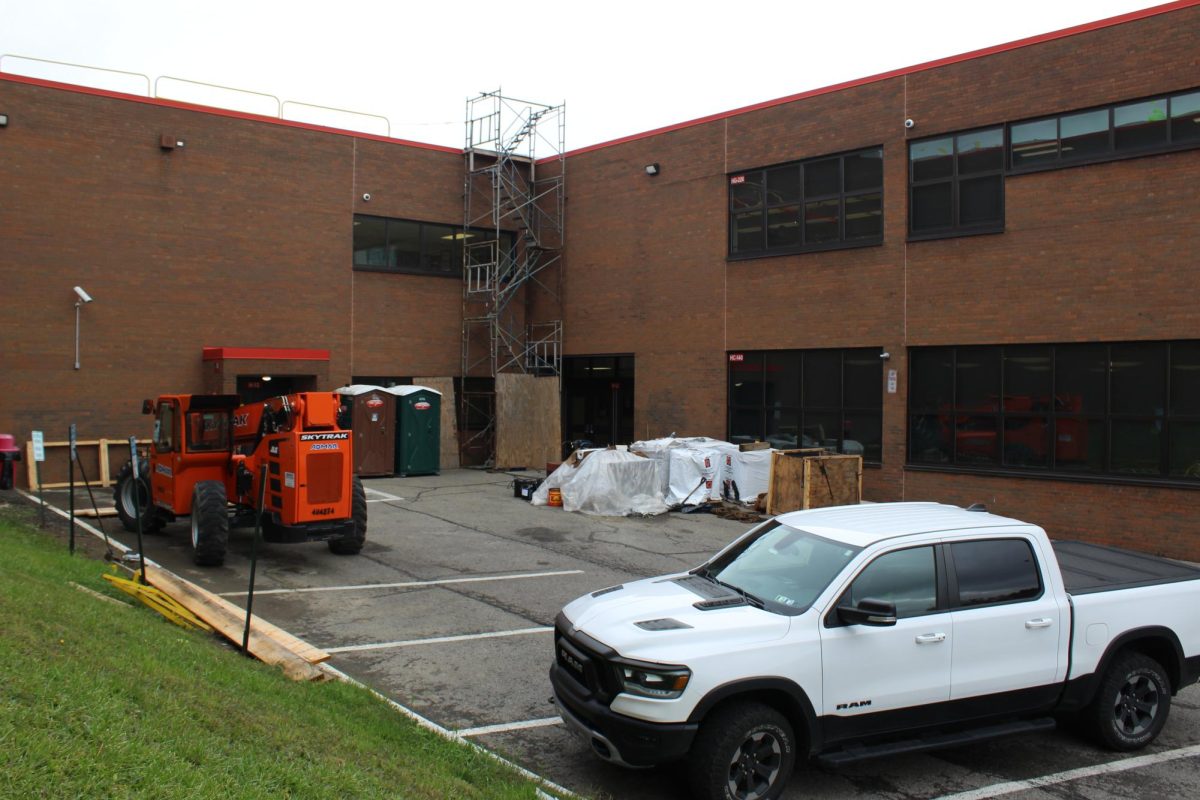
column 744, row 751
column 131, row 497
column 1132, row 703
column 210, row 523
column 352, row 543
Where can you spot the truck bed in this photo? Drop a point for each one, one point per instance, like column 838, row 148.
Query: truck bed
column 1088, row 568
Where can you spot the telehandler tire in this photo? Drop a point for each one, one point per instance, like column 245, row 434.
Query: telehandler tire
column 128, row 492
column 210, row 523
column 352, row 543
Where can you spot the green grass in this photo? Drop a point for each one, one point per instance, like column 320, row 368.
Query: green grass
column 102, row 701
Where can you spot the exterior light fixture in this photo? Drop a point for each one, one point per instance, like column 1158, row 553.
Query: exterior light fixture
column 83, row 297
column 266, row 377
column 3, row 120
column 653, row 169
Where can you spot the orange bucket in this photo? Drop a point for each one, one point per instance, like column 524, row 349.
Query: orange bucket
column 555, row 498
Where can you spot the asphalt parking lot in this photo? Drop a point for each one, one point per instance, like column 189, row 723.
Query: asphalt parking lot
column 449, row 611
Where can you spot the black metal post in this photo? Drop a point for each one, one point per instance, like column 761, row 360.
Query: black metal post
column 137, row 501
column 71, row 483
column 262, row 491
column 95, row 509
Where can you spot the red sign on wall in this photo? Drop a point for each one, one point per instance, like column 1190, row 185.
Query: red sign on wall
column 737, row 356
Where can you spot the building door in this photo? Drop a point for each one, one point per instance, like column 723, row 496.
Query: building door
column 597, row 399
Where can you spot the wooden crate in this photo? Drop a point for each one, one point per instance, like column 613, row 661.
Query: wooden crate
column 802, row 479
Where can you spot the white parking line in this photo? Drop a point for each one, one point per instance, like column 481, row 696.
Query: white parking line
column 354, row 648
column 511, row 726
column 999, row 789
column 381, row 497
column 410, row 584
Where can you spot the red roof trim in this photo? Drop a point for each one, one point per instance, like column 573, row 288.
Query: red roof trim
column 223, row 112
column 1086, row 27
column 264, row 354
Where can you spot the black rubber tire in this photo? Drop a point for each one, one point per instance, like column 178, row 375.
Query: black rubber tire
column 743, row 751
column 210, row 523
column 352, row 543
column 125, row 493
column 1132, row 703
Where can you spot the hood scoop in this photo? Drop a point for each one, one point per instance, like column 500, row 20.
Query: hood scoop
column 714, row 594
column 609, row 590
column 662, row 625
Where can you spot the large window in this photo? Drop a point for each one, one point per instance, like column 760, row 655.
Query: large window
column 808, row 398
column 1120, row 409
column 820, row 204
column 956, row 184
column 399, row 245
column 1167, row 122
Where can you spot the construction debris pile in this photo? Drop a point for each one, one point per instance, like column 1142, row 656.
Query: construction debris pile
column 659, row 475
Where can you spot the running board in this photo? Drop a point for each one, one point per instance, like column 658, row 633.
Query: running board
column 855, row 753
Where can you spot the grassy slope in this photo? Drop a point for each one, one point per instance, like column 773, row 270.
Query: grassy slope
column 102, row 701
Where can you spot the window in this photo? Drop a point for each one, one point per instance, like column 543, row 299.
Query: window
column 995, row 571
column 906, row 578
column 164, row 428
column 398, row 245
column 808, row 398
column 1129, row 128
column 207, row 431
column 956, row 184
column 820, row 204
column 1120, row 409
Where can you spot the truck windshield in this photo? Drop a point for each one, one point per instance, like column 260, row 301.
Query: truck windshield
column 784, row 567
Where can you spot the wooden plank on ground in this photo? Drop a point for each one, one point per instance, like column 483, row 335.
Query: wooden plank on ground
column 109, row 511
column 268, row 643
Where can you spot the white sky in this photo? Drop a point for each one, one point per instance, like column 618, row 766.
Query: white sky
column 622, row 67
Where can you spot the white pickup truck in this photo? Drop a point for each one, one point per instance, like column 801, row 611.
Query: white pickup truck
column 848, row 633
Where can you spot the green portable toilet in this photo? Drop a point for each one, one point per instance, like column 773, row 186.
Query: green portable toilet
column 418, row 430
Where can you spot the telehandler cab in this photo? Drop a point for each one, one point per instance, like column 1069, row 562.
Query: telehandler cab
column 206, row 457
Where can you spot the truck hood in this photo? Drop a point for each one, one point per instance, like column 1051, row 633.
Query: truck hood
column 611, row 617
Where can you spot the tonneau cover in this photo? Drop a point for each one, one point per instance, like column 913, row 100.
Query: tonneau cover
column 1090, row 568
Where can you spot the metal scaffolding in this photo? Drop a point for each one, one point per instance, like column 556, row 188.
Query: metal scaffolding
column 513, row 204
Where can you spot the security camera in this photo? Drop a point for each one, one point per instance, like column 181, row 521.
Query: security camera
column 910, row 123
column 84, row 297
column 885, row 355
column 366, row 197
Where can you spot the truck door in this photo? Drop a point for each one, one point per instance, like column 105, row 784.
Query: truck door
column 869, row 669
column 1007, row 624
column 166, row 444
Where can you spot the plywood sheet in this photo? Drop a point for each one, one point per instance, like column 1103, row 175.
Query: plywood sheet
column 449, row 443
column 528, row 424
column 832, row 481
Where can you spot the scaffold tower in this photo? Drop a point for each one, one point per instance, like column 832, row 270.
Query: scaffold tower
column 513, row 204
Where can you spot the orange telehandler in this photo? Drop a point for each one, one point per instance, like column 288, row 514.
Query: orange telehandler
column 206, row 458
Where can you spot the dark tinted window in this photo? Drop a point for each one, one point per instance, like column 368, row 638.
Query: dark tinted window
column 995, row 571
column 401, row 245
column 907, row 578
column 810, row 205
column 1185, row 117
column 956, row 183
column 1139, row 125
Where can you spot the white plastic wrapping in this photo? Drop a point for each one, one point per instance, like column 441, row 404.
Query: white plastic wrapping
column 746, row 475
column 695, row 471
column 610, row 483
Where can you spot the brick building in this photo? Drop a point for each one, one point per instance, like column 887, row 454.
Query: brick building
column 993, row 303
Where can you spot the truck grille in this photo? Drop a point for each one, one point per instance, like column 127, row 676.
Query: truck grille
column 586, row 667
column 324, row 474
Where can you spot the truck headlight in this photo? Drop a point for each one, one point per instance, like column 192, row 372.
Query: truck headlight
column 666, row 683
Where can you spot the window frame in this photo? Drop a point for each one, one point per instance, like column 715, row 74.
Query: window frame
column 802, row 408
column 955, row 179
column 1164, row 418
column 426, row 246
column 764, row 206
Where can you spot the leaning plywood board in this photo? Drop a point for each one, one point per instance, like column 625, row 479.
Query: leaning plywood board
column 785, row 489
column 267, row 642
column 527, row 421
column 449, row 443
column 832, row 481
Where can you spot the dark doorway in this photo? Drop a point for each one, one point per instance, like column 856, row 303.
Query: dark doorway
column 597, row 399
column 256, row 388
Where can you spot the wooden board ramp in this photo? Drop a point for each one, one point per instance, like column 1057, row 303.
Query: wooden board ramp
column 269, row 644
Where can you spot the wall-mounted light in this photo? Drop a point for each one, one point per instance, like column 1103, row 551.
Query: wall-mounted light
column 653, row 169
column 3, row 120
column 885, row 355
column 266, row 377
column 82, row 297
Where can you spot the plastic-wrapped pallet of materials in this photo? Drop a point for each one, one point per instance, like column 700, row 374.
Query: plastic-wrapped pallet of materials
column 610, row 483
column 746, row 475
column 695, row 471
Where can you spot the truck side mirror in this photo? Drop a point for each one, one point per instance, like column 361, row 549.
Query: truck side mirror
column 147, row 406
column 868, row 612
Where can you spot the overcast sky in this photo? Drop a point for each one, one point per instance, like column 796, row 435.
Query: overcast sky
column 621, row 67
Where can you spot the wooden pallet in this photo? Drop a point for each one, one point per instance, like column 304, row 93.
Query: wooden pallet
column 802, row 479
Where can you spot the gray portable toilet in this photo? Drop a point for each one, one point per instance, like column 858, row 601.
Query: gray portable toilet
column 418, row 445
